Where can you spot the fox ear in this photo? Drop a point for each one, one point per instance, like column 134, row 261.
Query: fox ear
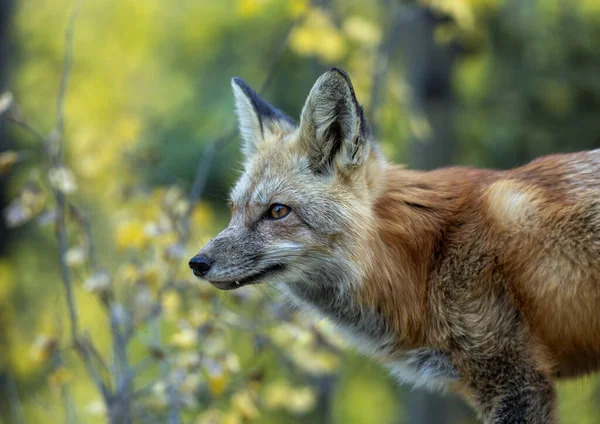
column 256, row 117
column 333, row 129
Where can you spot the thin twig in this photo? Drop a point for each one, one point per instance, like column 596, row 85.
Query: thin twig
column 16, row 118
column 67, row 68
column 54, row 147
column 86, row 227
column 68, row 404
column 15, row 401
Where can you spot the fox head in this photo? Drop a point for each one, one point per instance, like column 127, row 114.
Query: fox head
column 302, row 208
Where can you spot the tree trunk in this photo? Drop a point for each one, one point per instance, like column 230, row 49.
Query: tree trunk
column 428, row 70
column 8, row 390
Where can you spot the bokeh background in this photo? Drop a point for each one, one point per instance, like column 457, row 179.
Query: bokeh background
column 115, row 168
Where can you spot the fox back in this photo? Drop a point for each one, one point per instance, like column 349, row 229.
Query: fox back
column 479, row 281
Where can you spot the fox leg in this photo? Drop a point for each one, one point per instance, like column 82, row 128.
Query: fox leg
column 504, row 393
column 509, row 389
column 533, row 404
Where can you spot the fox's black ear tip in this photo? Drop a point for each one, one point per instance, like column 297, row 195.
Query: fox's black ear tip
column 242, row 85
column 339, row 71
column 238, row 81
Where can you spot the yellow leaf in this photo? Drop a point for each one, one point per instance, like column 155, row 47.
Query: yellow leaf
column 297, row 7
column 128, row 273
column 232, row 417
column 302, row 400
column 249, row 8
column 319, row 362
column 131, row 234
column 363, row 31
column 211, row 416
column 217, row 379
column 590, row 7
column 7, row 160
column 245, row 404
column 202, row 216
column 232, row 362
column 43, row 347
column 198, row 317
column 318, row 36
column 96, row 408
column 60, row 377
column 152, row 275
column 128, row 128
column 186, row 339
column 282, row 395
column 171, row 303
column 276, row 395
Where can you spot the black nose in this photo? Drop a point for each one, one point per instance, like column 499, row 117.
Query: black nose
column 200, row 265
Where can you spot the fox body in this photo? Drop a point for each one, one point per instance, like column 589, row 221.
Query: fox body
column 478, row 281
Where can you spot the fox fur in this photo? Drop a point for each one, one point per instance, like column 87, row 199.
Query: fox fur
column 479, row 281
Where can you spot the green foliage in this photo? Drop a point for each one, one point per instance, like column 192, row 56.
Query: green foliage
column 149, row 92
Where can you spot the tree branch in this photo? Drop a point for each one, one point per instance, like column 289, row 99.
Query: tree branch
column 67, row 68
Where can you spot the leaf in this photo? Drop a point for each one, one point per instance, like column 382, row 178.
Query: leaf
column 7, row 160
column 98, row 283
column 131, row 234
column 96, row 408
column 211, row 416
column 171, row 304
column 23, row 208
column 43, row 347
column 6, row 101
column 301, row 400
column 60, row 377
column 217, row 378
column 185, row 339
column 75, row 256
column 62, row 179
column 318, row 36
column 245, row 404
column 363, row 31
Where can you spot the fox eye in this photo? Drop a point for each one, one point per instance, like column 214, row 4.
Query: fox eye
column 278, row 211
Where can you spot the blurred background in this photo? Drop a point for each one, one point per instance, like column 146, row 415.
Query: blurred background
column 118, row 148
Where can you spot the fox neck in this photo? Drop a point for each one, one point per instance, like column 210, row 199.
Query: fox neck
column 381, row 294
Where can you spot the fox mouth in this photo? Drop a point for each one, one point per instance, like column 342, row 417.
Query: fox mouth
column 251, row 279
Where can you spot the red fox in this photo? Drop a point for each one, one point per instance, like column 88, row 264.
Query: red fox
column 482, row 282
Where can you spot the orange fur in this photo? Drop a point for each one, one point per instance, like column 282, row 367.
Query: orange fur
column 532, row 220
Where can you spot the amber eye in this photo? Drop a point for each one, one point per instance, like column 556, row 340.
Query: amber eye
column 278, row 211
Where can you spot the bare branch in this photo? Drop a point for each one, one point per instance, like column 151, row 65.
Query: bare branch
column 66, row 69
column 15, row 400
column 86, row 227
column 16, row 118
column 54, row 148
